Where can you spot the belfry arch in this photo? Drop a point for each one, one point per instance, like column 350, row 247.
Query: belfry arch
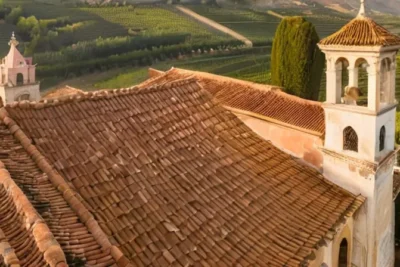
column 385, row 80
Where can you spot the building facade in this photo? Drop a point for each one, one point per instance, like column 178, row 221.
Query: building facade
column 18, row 76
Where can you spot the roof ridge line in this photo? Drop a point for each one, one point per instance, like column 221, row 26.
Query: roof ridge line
column 96, row 95
column 269, row 119
column 67, row 192
column 226, row 78
column 34, row 223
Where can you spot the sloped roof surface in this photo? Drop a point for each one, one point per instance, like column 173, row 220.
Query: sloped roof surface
column 362, row 31
column 173, row 179
column 78, row 244
column 25, row 239
column 265, row 100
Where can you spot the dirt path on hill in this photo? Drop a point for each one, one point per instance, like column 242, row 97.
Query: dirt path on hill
column 273, row 13
column 215, row 25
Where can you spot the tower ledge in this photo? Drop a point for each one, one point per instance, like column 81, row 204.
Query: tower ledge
column 361, row 109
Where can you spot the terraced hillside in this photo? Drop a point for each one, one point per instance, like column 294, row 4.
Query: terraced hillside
column 250, row 67
column 257, row 26
column 154, row 20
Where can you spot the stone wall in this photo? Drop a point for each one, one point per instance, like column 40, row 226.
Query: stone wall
column 297, row 143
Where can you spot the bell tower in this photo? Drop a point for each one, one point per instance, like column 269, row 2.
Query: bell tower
column 360, row 116
column 18, row 76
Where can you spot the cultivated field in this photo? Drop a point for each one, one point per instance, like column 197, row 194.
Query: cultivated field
column 252, row 67
column 257, row 26
column 155, row 21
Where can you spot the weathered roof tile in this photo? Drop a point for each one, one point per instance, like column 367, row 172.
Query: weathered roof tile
column 362, row 31
column 189, row 184
column 263, row 101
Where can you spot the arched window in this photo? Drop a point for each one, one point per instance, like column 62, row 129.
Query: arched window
column 20, row 79
column 343, row 257
column 342, row 75
column 382, row 136
column 361, row 71
column 350, row 139
column 22, row 97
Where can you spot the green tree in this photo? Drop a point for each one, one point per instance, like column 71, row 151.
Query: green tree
column 28, row 27
column 296, row 61
column 14, row 15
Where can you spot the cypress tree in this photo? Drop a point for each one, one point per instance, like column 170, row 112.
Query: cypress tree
column 296, row 61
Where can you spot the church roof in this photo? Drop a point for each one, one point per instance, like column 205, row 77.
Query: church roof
column 162, row 176
column 264, row 101
column 362, row 31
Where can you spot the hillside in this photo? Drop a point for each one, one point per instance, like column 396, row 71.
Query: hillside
column 388, row 6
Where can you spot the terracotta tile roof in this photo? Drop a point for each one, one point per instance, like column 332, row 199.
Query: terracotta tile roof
column 25, row 239
column 172, row 178
column 61, row 92
column 362, row 31
column 154, row 73
column 396, row 184
column 79, row 245
column 263, row 101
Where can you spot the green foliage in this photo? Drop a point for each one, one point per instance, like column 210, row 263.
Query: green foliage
column 296, row 61
column 14, row 15
column 28, row 27
column 397, row 136
column 106, row 47
column 251, row 66
column 155, row 21
column 135, row 58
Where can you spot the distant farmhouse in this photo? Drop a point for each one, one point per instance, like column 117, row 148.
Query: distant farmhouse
column 177, row 171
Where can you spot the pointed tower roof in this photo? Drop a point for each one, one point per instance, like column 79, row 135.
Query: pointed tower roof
column 14, row 57
column 362, row 31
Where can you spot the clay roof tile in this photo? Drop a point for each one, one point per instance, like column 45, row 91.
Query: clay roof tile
column 362, row 31
column 199, row 187
column 263, row 101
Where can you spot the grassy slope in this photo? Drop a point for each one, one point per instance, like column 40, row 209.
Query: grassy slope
column 253, row 67
column 151, row 21
column 257, row 26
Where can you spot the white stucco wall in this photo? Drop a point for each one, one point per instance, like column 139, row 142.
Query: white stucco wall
column 368, row 137
column 384, row 220
column 11, row 93
column 298, row 143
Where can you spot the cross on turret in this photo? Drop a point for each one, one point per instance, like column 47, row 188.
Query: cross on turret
column 13, row 40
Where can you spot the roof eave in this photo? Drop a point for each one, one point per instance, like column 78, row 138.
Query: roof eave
column 366, row 48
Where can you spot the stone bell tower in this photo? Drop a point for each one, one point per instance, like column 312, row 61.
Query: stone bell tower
column 18, row 76
column 359, row 149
